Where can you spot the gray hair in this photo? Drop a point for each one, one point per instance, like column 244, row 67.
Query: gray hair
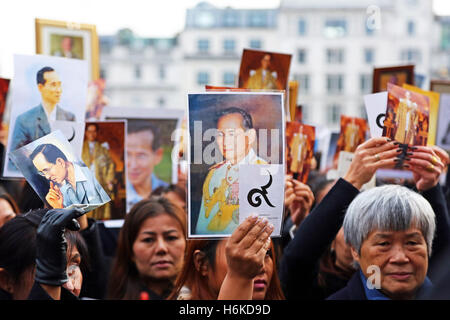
column 388, row 208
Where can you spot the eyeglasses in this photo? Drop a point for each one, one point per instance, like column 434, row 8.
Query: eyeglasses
column 46, row 171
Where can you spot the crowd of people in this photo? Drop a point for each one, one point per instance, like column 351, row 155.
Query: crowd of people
column 339, row 242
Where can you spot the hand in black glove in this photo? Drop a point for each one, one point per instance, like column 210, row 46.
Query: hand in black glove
column 51, row 259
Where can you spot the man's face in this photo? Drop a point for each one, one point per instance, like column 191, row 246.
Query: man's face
column 232, row 139
column 402, row 257
column 265, row 62
column 141, row 158
column 51, row 90
column 91, row 133
column 66, row 44
column 55, row 172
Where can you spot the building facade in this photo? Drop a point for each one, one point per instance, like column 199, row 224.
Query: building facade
column 334, row 46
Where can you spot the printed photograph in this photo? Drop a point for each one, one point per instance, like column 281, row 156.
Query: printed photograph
column 96, row 100
column 149, row 146
column 354, row 131
column 443, row 130
column 46, row 89
column 407, row 116
column 300, row 140
column 4, row 86
column 59, row 177
column 104, row 154
column 69, row 40
column 397, row 75
column 228, row 130
column 264, row 70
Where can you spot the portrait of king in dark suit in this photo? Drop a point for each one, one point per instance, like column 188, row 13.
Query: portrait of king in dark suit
column 34, row 123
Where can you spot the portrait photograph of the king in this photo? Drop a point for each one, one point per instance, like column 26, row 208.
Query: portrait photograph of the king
column 226, row 130
column 407, row 116
column 46, row 90
column 59, row 177
column 262, row 70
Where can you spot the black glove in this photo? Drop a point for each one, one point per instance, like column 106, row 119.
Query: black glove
column 51, row 259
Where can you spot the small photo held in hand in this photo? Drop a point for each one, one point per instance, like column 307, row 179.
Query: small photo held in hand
column 300, row 140
column 354, row 131
column 231, row 136
column 58, row 176
column 264, row 70
column 407, row 116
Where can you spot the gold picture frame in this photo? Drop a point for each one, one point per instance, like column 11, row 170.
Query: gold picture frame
column 82, row 39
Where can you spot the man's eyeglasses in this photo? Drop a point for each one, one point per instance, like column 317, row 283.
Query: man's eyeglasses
column 46, row 171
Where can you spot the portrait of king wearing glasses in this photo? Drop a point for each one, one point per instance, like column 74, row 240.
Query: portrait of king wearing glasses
column 70, row 182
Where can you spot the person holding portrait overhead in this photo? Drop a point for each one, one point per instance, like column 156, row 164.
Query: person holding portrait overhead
column 96, row 156
column 406, row 120
column 70, row 182
column 263, row 78
column 219, row 211
column 34, row 123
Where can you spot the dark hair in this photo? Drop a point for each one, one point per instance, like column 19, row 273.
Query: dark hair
column 18, row 247
column 162, row 190
column 6, row 196
column 124, row 280
column 40, row 75
column 88, row 124
column 198, row 285
column 247, row 122
column 140, row 126
column 75, row 239
column 50, row 152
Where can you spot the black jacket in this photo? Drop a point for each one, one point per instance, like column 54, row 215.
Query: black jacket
column 300, row 263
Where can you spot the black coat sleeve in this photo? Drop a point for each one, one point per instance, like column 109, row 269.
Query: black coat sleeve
column 441, row 241
column 314, row 235
column 96, row 279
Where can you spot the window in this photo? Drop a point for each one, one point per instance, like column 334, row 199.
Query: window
column 137, row 72
column 161, row 102
column 363, row 112
column 365, row 83
column 305, row 113
column 229, row 45
column 301, row 56
column 445, row 37
column 334, row 114
column 301, row 27
column 202, row 78
column 255, row 44
column 335, row 28
column 370, row 30
column 335, row 83
column 103, row 73
column 411, row 55
column 203, row 45
column 303, row 83
column 335, row 56
column 230, row 19
column 228, row 79
column 162, row 72
column 369, row 56
column 257, row 19
column 411, row 28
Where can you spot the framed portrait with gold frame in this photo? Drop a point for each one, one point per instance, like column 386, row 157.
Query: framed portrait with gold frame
column 69, row 40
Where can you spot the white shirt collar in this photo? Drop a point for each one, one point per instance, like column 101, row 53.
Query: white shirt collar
column 52, row 115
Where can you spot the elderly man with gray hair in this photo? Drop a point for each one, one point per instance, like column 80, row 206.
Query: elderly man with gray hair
column 390, row 230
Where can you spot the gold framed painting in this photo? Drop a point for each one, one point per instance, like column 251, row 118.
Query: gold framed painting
column 69, row 40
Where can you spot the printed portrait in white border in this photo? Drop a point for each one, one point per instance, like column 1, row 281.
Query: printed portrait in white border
column 228, row 130
column 58, row 176
column 44, row 89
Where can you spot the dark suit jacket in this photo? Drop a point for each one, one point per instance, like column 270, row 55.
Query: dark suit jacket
column 353, row 291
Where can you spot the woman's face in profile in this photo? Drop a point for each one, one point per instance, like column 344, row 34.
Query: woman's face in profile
column 158, row 250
